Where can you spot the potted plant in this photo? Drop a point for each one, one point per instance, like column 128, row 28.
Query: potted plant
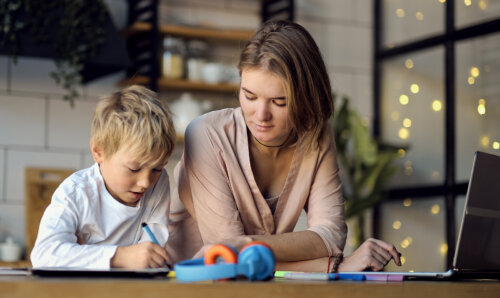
column 69, row 31
column 366, row 165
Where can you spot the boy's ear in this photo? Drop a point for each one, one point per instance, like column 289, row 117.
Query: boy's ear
column 97, row 153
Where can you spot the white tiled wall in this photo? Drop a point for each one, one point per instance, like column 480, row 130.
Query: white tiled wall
column 38, row 128
column 22, row 120
column 19, row 160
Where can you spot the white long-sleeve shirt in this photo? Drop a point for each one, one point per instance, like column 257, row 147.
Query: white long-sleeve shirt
column 83, row 225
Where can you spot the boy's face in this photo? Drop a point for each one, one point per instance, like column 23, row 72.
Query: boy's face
column 126, row 175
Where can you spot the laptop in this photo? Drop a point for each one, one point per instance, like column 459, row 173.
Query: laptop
column 477, row 253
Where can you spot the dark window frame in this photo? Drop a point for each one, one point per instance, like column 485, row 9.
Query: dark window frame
column 450, row 188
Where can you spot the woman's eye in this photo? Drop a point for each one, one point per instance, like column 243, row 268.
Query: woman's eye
column 134, row 170
column 249, row 97
column 279, row 102
column 157, row 170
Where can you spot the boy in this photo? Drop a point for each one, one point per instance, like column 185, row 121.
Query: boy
column 94, row 218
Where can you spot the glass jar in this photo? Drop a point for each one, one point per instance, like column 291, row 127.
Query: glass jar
column 197, row 54
column 174, row 51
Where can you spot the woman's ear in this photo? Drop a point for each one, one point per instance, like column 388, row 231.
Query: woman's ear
column 97, row 153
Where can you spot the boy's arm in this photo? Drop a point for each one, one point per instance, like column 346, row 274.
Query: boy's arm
column 57, row 244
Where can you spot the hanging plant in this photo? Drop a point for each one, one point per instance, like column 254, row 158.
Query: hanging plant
column 74, row 28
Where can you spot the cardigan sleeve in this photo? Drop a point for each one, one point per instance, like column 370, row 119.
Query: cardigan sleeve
column 204, row 188
column 325, row 207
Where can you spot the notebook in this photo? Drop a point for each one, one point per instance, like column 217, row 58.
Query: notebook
column 477, row 251
column 86, row 273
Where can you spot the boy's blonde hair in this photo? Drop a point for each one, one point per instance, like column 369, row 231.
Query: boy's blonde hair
column 134, row 117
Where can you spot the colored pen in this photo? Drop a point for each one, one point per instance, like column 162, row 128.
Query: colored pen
column 152, row 237
column 150, row 234
column 319, row 276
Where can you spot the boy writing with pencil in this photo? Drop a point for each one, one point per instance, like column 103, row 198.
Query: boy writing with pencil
column 95, row 216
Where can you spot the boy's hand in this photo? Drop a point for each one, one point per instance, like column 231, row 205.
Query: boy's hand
column 140, row 256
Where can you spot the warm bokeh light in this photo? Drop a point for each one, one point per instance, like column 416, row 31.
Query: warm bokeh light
column 443, row 249
column 435, row 209
column 396, row 225
column 482, row 4
column 419, row 16
column 408, row 168
column 437, row 105
column 442, row 1
column 401, row 152
column 471, row 80
column 407, row 202
column 481, row 107
column 406, row 242
column 403, row 133
column 414, row 88
column 435, row 174
column 474, row 71
column 485, row 141
column 403, row 99
column 409, row 63
column 400, row 12
column 403, row 260
column 495, row 145
column 394, row 116
column 468, row 2
column 407, row 122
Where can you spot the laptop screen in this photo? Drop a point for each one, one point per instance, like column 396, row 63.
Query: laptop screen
column 478, row 245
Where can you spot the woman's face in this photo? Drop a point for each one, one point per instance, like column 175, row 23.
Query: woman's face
column 263, row 102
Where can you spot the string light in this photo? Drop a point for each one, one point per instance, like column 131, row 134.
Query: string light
column 467, row 2
column 396, row 225
column 403, row 260
column 408, row 168
column 401, row 152
column 436, row 105
column 443, row 249
column 471, row 80
column 400, row 12
column 394, row 116
column 414, row 88
column 409, row 63
column 403, row 99
column 485, row 141
column 482, row 5
column 495, row 145
column 435, row 209
column 407, row 202
column 407, row 122
column 419, row 16
column 403, row 133
column 435, row 174
column 474, row 71
column 406, row 242
column 481, row 107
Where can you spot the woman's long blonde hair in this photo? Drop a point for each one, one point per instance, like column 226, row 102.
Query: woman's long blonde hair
column 287, row 50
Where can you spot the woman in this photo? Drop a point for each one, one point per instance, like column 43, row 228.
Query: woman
column 247, row 173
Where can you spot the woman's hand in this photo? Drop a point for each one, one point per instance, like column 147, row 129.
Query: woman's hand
column 373, row 254
column 140, row 256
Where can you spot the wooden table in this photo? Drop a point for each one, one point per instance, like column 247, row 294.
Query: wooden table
column 14, row 287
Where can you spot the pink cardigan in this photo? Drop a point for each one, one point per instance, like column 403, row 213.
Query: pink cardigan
column 216, row 186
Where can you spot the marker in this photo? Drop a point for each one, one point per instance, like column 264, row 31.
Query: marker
column 153, row 238
column 319, row 276
column 150, row 234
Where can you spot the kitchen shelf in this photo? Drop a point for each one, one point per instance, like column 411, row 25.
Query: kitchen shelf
column 18, row 264
column 176, row 84
column 192, row 32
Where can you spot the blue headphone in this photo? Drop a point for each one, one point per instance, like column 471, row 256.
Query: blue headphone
column 255, row 261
